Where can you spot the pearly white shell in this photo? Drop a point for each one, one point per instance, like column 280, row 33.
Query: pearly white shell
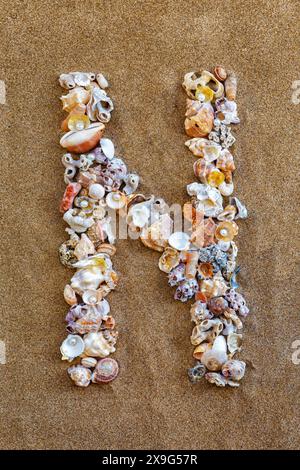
column 71, row 347
column 96, row 345
column 96, row 191
column 180, row 241
column 115, row 200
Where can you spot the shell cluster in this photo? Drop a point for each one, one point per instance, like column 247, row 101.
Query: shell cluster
column 200, row 261
column 203, row 266
column 96, row 181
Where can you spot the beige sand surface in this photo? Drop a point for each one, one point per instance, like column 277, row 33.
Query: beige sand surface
column 145, row 48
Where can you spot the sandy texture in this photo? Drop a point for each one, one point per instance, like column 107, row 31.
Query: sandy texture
column 145, row 48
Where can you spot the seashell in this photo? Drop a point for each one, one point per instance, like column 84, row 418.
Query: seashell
column 85, row 178
column 90, row 321
column 237, row 303
column 72, row 346
column 85, row 204
column 169, row 260
column 214, row 358
column 76, row 96
column 231, row 87
column 87, row 279
column 204, row 94
column 70, row 193
column 66, row 253
column 217, row 305
column 84, row 247
column 215, row 178
column 99, row 106
column 225, row 162
column 77, row 222
column 229, row 327
column 226, row 189
column 156, row 236
column 241, row 210
column 228, row 214
column 96, row 345
column 205, row 270
column 132, row 181
column 139, row 214
column 180, row 241
column 220, row 73
column 196, row 373
column 209, row 231
column 210, row 199
column 116, row 200
column 234, row 369
column 199, row 312
column 215, row 378
column 193, row 80
column 200, row 350
column 186, row 290
column 89, row 362
column 207, row 324
column 66, row 80
column 224, row 246
column 230, row 314
column 215, row 287
column 191, row 260
column 101, row 80
column 234, row 342
column 227, row 111
column 202, row 169
column 96, row 191
column 107, row 248
column 226, row 231
column 201, row 147
column 199, row 336
column 70, row 295
column 105, row 371
column 92, row 297
column 80, row 375
column 82, row 78
column 199, row 119
column 107, row 148
column 82, row 141
column 109, row 323
column 176, row 275
column 79, row 112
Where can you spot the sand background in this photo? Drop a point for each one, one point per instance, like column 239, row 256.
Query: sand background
column 144, row 48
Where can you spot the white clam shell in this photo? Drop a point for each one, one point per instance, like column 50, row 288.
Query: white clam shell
column 96, row 191
column 179, row 240
column 84, row 140
column 107, row 148
column 226, row 189
column 77, row 223
column 72, row 346
column 87, row 279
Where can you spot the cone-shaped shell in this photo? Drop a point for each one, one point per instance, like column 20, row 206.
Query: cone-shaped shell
column 83, row 141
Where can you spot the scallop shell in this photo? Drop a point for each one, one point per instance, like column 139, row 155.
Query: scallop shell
column 106, row 370
column 83, row 141
column 169, row 260
column 70, row 295
column 89, row 362
column 76, row 96
column 180, row 241
column 107, row 148
column 96, row 345
column 72, row 346
column 80, row 375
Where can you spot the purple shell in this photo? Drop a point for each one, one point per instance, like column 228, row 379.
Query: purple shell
column 237, row 302
column 177, row 275
column 186, row 290
column 105, row 371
